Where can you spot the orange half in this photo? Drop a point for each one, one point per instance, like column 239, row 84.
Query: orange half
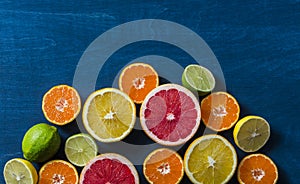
column 163, row 166
column 220, row 111
column 61, row 104
column 58, row 171
column 137, row 80
column 257, row 168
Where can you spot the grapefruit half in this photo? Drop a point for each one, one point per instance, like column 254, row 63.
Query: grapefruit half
column 170, row 115
column 109, row 168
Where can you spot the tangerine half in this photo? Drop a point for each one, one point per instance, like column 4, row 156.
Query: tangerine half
column 257, row 168
column 163, row 166
column 137, row 80
column 219, row 111
column 61, row 104
column 58, row 171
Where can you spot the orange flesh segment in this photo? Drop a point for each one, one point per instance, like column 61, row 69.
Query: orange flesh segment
column 219, row 111
column 164, row 167
column 138, row 80
column 258, row 169
column 56, row 171
column 61, row 104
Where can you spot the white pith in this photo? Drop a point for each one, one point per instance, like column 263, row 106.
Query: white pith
column 138, row 83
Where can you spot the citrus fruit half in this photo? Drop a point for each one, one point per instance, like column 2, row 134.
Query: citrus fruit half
column 80, row 148
column 220, row 111
column 257, row 168
column 40, row 142
column 210, row 159
column 109, row 115
column 163, row 166
column 251, row 133
column 109, row 168
column 19, row 171
column 170, row 114
column 58, row 171
column 137, row 80
column 61, row 104
column 199, row 78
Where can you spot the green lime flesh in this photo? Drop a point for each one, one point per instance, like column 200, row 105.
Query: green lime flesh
column 80, row 149
column 198, row 78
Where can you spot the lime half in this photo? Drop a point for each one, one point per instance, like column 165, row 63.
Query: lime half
column 251, row 133
column 19, row 171
column 80, row 148
column 198, row 78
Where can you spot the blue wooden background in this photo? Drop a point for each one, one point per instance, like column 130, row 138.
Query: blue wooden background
column 257, row 44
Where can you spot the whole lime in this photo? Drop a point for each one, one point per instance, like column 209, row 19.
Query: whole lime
column 40, row 142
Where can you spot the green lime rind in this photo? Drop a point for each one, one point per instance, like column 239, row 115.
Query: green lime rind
column 251, row 133
column 198, row 78
column 40, row 143
column 80, row 149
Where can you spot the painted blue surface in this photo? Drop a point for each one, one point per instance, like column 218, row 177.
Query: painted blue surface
column 257, row 45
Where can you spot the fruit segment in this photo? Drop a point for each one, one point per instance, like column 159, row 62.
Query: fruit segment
column 210, row 159
column 220, row 111
column 163, row 166
column 257, row 168
column 109, row 168
column 251, row 133
column 137, row 80
column 109, row 115
column 170, row 114
column 61, row 104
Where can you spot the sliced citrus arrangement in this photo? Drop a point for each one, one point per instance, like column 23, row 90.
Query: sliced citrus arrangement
column 58, row 171
column 109, row 168
column 163, row 166
column 137, row 80
column 199, row 78
column 61, row 104
column 109, row 115
column 210, row 159
column 19, row 171
column 80, row 148
column 170, row 114
column 251, row 133
column 257, row 168
column 219, row 111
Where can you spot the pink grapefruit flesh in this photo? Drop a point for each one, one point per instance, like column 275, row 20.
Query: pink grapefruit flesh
column 170, row 115
column 109, row 168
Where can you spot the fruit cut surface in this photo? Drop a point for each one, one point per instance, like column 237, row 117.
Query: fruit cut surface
column 257, row 168
column 163, row 166
column 251, row 133
column 109, row 168
column 19, row 171
column 210, row 159
column 61, row 104
column 170, row 114
column 109, row 115
column 58, row 172
column 137, row 80
column 199, row 78
column 220, row 111
column 80, row 148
